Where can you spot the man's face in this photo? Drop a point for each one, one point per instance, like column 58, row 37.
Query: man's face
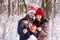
column 38, row 17
column 32, row 15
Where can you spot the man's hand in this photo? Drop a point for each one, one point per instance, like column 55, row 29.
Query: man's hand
column 39, row 28
column 25, row 31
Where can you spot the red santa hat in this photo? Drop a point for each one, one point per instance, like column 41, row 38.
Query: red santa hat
column 40, row 12
column 32, row 9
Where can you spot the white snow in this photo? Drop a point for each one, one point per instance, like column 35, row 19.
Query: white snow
column 8, row 25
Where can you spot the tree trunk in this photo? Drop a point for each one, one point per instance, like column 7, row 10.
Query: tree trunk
column 0, row 6
column 25, row 6
column 9, row 7
column 47, row 7
column 54, row 8
column 18, row 7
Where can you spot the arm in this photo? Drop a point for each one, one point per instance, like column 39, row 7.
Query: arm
column 20, row 27
column 44, row 30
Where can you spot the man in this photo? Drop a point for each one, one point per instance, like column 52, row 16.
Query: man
column 23, row 29
column 30, row 14
column 23, row 25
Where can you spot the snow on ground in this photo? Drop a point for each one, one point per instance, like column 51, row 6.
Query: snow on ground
column 8, row 27
column 54, row 28
column 54, row 25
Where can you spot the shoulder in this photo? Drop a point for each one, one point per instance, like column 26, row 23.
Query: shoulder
column 27, row 16
column 44, row 20
column 20, row 22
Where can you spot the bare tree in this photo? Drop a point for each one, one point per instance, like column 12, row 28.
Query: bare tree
column 18, row 7
column 9, row 7
column 25, row 6
column 54, row 8
column 1, row 1
column 47, row 7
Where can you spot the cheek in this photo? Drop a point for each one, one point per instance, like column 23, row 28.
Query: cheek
column 38, row 19
column 32, row 15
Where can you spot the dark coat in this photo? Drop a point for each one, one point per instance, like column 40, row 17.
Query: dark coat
column 31, row 20
column 22, row 26
column 41, row 34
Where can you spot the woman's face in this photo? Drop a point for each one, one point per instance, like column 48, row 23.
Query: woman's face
column 38, row 17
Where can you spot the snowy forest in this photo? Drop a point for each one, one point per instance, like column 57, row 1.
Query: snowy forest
column 11, row 11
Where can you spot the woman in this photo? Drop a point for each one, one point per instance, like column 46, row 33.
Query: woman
column 40, row 24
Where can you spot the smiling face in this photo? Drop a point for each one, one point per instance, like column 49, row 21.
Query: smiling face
column 38, row 17
column 32, row 15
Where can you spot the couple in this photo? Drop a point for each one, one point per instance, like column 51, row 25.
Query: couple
column 30, row 29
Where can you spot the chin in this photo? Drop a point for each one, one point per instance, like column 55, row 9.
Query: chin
column 31, row 17
column 38, row 20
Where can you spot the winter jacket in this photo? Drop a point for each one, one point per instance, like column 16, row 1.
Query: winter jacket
column 31, row 20
column 22, row 26
column 41, row 34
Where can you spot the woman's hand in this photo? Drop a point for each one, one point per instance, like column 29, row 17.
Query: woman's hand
column 39, row 28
